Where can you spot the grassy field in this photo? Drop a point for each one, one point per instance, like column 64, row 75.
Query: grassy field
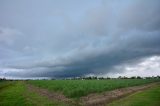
column 15, row 93
column 78, row 88
column 150, row 97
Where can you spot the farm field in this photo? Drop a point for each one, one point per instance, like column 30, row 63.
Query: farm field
column 78, row 88
column 15, row 93
column 44, row 92
column 149, row 97
column 79, row 52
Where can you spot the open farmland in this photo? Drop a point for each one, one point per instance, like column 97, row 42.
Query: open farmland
column 78, row 88
column 15, row 93
column 79, row 52
column 70, row 92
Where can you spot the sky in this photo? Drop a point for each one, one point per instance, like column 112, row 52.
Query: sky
column 74, row 38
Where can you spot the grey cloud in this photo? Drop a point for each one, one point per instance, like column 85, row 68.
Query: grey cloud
column 94, row 41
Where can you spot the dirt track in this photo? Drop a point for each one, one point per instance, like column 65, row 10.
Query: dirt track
column 106, row 97
column 50, row 95
column 92, row 99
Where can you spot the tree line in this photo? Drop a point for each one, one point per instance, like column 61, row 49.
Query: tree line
column 106, row 78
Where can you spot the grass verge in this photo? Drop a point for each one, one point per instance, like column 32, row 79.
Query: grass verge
column 17, row 95
column 149, row 97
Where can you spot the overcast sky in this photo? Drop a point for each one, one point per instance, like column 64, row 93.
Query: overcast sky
column 72, row 38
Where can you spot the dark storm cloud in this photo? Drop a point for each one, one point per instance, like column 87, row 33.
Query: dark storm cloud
column 70, row 42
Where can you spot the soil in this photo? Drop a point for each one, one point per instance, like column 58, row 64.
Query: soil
column 95, row 99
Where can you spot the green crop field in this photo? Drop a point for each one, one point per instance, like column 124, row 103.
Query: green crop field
column 149, row 97
column 15, row 93
column 18, row 93
column 78, row 88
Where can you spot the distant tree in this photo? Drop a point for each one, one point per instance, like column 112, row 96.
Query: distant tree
column 133, row 77
column 138, row 77
column 101, row 78
column 2, row 79
column 88, row 78
column 120, row 77
column 108, row 78
column 158, row 77
column 94, row 77
column 125, row 77
column 148, row 77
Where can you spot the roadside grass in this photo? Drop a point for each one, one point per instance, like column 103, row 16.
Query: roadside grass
column 149, row 97
column 17, row 95
column 12, row 95
column 4, row 84
column 78, row 88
